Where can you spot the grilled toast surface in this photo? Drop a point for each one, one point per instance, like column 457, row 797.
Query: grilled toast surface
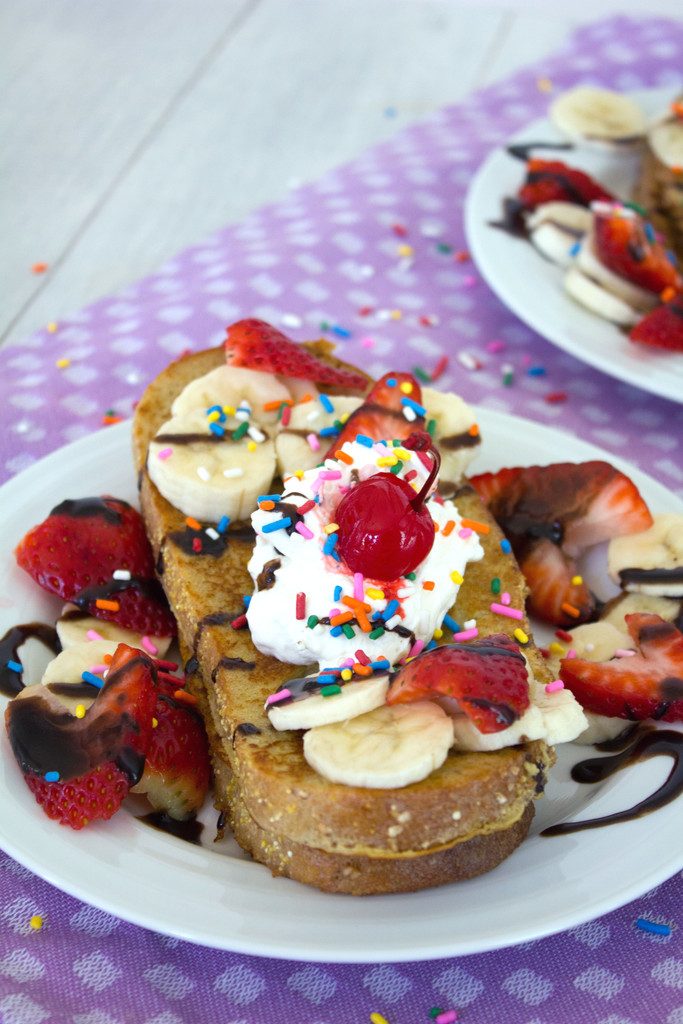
column 460, row 821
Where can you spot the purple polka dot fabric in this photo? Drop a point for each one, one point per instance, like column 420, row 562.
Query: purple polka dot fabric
column 372, row 251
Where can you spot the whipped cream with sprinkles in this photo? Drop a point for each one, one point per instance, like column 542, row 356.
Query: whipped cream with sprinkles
column 309, row 607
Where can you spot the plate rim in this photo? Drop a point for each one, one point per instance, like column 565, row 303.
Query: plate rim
column 479, row 198
column 402, row 950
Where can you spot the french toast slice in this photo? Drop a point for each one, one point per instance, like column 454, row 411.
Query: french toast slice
column 462, row 820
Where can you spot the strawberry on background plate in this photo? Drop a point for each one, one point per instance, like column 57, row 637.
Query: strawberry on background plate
column 81, row 769
column 381, row 415
column 663, row 327
column 487, row 676
column 256, row 345
column 552, row 513
column 75, row 552
column 177, row 768
column 549, row 181
column 627, row 245
column 648, row 684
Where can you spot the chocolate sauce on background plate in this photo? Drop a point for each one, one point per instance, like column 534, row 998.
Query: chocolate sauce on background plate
column 523, row 150
column 189, row 830
column 12, row 682
column 639, row 745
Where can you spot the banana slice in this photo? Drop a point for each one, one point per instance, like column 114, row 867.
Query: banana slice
column 588, row 114
column 588, row 262
column 554, row 228
column 62, row 677
column 387, row 748
column 530, row 726
column 598, row 300
column 563, row 717
column 650, row 562
column 299, row 388
column 231, row 386
column 666, row 141
column 355, row 699
column 210, row 479
column 454, row 420
column 667, row 608
column 73, row 631
column 292, row 448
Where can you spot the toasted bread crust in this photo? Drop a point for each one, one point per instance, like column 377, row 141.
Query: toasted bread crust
column 462, row 820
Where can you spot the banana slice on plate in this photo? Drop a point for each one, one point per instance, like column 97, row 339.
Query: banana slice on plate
column 650, row 562
column 232, row 386
column 294, row 452
column 73, row 629
column 386, row 748
column 208, row 476
column 456, row 434
column 355, row 699
column 666, row 141
column 554, row 228
column 598, row 116
column 63, row 676
column 598, row 300
column 614, row 612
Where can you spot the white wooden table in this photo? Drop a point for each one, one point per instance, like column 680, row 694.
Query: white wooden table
column 132, row 128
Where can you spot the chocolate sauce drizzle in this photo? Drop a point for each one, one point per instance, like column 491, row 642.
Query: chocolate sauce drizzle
column 213, row 546
column 87, row 508
column 512, row 220
column 245, row 729
column 190, row 830
column 232, row 665
column 149, row 588
column 523, row 150
column 639, row 745
column 11, row 683
column 658, row 576
column 456, row 441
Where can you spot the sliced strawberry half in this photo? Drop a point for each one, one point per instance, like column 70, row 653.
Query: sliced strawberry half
column 487, row 677
column 81, row 769
column 381, row 416
column 257, row 345
column 76, row 551
column 648, row 684
column 550, row 181
column 177, row 768
column 552, row 513
column 663, row 327
column 627, row 246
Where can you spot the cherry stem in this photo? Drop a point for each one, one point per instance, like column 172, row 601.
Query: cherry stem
column 421, row 441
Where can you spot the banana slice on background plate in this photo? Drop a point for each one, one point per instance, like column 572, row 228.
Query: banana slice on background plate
column 353, row 700
column 63, row 675
column 598, row 116
column 666, row 141
column 650, row 562
column 588, row 262
column 598, row 300
column 554, row 229
column 73, row 631
column 387, row 748
column 614, row 611
column 211, row 478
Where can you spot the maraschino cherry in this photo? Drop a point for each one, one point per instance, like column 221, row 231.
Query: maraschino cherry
column 385, row 529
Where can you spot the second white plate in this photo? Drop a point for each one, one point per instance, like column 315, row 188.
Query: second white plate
column 532, row 287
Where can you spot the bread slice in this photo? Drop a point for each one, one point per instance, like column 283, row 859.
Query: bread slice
column 461, row 821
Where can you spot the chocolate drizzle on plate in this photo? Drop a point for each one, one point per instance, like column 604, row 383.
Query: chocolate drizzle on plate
column 640, row 745
column 12, row 682
column 512, row 220
column 189, row 830
column 523, row 150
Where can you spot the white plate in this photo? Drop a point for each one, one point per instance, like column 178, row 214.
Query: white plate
column 216, row 897
column 532, row 287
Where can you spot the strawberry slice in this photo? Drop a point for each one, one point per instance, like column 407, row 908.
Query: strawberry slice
column 552, row 513
column 76, row 551
column 487, row 677
column 647, row 685
column 382, row 416
column 177, row 768
column 550, row 181
column 663, row 327
column 81, row 769
column 627, row 245
column 257, row 345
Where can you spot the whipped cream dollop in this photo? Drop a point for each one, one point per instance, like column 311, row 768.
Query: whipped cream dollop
column 301, row 587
